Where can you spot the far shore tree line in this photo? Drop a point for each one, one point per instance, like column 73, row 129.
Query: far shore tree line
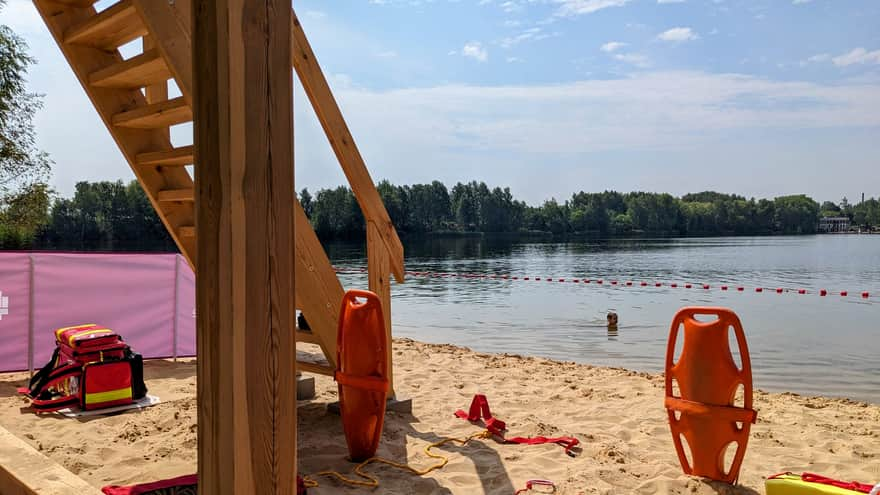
column 117, row 216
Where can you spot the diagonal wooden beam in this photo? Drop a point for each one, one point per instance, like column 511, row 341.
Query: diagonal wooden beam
column 318, row 91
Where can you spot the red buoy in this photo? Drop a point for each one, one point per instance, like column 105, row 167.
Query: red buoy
column 362, row 372
column 779, row 290
column 628, row 284
column 687, row 286
column 759, row 289
column 706, row 286
column 673, row 285
column 843, row 293
column 575, row 280
column 599, row 281
column 644, row 284
column 614, row 282
column 740, row 289
column 658, row 284
column 723, row 287
column 865, row 295
column 802, row 291
column 823, row 292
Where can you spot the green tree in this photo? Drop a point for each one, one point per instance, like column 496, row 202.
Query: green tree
column 24, row 169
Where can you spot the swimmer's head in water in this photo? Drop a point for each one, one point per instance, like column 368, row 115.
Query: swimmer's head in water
column 612, row 319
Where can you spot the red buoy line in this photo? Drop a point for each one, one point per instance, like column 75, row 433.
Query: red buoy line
column 626, row 283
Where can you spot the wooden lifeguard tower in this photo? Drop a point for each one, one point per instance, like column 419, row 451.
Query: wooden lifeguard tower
column 238, row 223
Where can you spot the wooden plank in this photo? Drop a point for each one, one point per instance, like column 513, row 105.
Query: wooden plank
column 307, row 337
column 245, row 277
column 187, row 231
column 77, row 3
column 24, row 471
column 320, row 294
column 108, row 29
column 175, row 157
column 155, row 115
column 378, row 271
column 140, row 71
column 318, row 91
column 85, row 60
column 320, row 369
column 170, row 22
column 176, row 195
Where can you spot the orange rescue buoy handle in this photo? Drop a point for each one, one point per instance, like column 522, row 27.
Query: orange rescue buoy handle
column 708, row 379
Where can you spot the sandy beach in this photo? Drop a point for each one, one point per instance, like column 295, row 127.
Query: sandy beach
column 618, row 416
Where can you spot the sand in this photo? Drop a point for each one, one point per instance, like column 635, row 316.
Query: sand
column 617, row 414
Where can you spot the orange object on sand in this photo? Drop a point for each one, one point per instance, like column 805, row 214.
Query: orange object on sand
column 362, row 372
column 708, row 379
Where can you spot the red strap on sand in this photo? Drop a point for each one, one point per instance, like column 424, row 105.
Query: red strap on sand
column 480, row 410
column 533, row 483
column 179, row 482
column 846, row 485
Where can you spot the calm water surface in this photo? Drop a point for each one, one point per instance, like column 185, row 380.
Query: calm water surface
column 802, row 343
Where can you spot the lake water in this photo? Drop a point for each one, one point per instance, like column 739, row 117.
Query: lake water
column 801, row 343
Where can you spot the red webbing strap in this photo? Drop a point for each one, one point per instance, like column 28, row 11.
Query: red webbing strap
column 54, row 404
column 372, row 383
column 480, row 410
column 729, row 413
column 846, row 485
column 533, row 483
column 567, row 442
column 190, row 480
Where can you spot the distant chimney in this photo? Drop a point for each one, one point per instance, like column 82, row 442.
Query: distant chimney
column 863, row 197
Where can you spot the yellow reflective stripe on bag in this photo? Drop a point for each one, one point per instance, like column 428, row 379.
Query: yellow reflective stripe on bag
column 108, row 396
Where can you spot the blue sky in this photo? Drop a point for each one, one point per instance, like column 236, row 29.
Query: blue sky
column 550, row 97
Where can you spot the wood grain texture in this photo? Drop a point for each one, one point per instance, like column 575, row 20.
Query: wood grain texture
column 108, row 29
column 379, row 270
column 321, row 97
column 155, row 92
column 24, row 471
column 245, row 219
column 320, row 293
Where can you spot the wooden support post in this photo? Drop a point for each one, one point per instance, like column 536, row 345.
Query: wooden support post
column 378, row 273
column 243, row 104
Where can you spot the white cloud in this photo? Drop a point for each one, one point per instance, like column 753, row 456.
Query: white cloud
column 636, row 59
column 530, row 34
column 798, row 2
column 678, row 35
column 670, row 1
column 513, row 60
column 820, row 57
column 387, row 54
column 857, row 56
column 475, row 50
column 612, row 46
column 571, row 8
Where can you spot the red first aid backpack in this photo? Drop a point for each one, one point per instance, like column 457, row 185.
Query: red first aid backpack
column 91, row 368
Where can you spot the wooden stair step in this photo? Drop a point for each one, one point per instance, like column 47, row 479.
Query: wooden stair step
column 310, row 367
column 137, row 72
column 155, row 115
column 110, row 28
column 166, row 195
column 77, row 3
column 174, row 157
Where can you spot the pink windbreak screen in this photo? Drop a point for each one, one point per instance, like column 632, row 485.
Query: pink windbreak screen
column 149, row 299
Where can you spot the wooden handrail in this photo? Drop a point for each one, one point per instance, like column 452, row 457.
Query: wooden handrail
column 318, row 91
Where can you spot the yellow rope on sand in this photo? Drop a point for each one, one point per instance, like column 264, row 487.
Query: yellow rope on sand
column 373, row 482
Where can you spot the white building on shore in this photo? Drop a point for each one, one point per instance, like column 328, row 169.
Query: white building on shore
column 834, row 224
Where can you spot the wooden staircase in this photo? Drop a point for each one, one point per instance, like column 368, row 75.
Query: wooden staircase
column 132, row 97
